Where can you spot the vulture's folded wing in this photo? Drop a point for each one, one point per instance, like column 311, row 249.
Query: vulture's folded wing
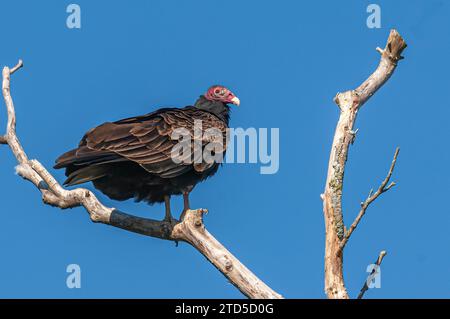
column 146, row 140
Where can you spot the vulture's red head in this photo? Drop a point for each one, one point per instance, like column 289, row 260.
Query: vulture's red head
column 222, row 94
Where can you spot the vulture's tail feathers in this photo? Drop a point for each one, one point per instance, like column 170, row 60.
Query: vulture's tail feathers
column 86, row 174
column 84, row 156
column 85, row 165
column 65, row 159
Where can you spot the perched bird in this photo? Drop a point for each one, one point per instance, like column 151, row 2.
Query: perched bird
column 132, row 158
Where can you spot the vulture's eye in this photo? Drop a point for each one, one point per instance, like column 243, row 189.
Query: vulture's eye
column 217, row 91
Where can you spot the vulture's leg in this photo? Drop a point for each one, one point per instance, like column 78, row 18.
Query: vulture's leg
column 186, row 205
column 168, row 217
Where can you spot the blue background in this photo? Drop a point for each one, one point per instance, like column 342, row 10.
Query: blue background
column 285, row 60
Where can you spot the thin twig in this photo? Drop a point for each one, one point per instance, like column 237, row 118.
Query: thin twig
column 375, row 269
column 16, row 67
column 371, row 198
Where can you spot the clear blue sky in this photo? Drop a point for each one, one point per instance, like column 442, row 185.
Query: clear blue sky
column 285, row 60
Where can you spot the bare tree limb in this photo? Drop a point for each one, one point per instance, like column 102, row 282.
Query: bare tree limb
column 384, row 187
column 375, row 269
column 349, row 104
column 190, row 229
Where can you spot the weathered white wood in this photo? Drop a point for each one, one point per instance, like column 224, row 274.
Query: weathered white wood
column 191, row 229
column 349, row 104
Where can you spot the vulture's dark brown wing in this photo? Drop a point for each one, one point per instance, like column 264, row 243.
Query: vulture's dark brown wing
column 146, row 140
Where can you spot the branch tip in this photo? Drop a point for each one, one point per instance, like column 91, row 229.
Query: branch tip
column 16, row 67
column 378, row 262
column 394, row 46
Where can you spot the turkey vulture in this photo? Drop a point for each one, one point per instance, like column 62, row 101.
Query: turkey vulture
column 131, row 158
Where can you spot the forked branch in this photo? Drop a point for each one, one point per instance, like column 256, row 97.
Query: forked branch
column 349, row 104
column 191, row 229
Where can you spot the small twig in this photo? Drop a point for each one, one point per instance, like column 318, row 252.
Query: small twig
column 371, row 198
column 3, row 140
column 377, row 263
column 16, row 67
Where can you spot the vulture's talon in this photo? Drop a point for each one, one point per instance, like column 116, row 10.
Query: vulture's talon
column 171, row 221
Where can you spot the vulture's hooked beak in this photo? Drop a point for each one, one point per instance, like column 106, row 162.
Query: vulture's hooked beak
column 235, row 101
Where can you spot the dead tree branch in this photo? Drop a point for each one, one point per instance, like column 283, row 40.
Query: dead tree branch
column 349, row 104
column 374, row 270
column 384, row 187
column 190, row 230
